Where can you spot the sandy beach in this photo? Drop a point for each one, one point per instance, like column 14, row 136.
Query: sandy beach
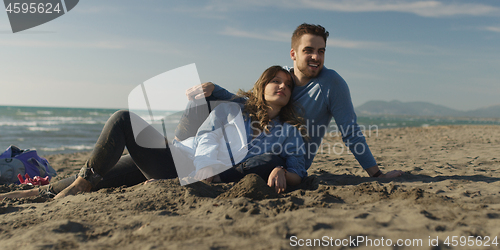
column 450, row 193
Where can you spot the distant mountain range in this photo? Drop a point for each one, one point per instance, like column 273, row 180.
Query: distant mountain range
column 422, row 109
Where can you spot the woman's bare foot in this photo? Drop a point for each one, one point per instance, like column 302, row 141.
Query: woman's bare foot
column 213, row 179
column 20, row 193
column 217, row 179
column 150, row 180
column 80, row 185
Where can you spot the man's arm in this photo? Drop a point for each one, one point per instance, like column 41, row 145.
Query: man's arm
column 343, row 111
column 211, row 91
column 199, row 91
column 198, row 110
column 293, row 151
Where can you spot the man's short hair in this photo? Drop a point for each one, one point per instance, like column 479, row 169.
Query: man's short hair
column 306, row 28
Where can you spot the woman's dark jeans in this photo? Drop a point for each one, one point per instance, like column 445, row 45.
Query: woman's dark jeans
column 262, row 165
column 141, row 163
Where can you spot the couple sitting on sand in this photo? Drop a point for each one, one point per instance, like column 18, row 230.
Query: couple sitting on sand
column 320, row 93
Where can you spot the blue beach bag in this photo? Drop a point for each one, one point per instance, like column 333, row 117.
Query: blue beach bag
column 16, row 161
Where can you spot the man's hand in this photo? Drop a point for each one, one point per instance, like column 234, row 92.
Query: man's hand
column 392, row 174
column 372, row 171
column 277, row 179
column 200, row 91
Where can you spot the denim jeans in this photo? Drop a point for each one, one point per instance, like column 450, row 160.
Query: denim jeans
column 142, row 163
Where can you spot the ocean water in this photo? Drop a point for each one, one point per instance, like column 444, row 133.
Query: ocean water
column 391, row 121
column 58, row 130
column 69, row 130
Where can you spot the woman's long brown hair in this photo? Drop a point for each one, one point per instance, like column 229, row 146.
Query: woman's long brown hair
column 256, row 106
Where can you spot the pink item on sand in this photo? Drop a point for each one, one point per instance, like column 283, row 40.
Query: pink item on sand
column 37, row 180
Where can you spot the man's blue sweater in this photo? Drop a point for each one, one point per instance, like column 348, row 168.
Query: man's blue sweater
column 324, row 97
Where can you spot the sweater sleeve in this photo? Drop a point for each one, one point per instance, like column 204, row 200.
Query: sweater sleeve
column 221, row 94
column 293, row 151
column 342, row 110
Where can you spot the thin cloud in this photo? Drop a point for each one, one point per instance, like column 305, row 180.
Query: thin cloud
column 421, row 8
column 351, row 44
column 114, row 44
column 393, row 47
column 493, row 28
column 69, row 44
column 102, row 9
column 280, row 36
column 276, row 36
column 284, row 37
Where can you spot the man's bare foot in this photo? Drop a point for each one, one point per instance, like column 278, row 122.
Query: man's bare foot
column 80, row 185
column 20, row 194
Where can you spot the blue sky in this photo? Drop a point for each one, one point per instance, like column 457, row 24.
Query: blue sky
column 444, row 52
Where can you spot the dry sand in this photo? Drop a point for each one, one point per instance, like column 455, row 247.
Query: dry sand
column 450, row 188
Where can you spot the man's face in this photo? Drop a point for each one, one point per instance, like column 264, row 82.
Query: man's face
column 309, row 56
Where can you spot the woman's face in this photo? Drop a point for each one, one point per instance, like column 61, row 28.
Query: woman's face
column 278, row 91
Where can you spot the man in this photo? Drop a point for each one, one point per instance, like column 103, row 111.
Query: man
column 322, row 93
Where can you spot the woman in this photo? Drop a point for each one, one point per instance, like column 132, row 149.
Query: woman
column 267, row 111
column 271, row 127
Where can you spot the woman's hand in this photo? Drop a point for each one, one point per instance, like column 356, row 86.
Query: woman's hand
column 277, row 178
